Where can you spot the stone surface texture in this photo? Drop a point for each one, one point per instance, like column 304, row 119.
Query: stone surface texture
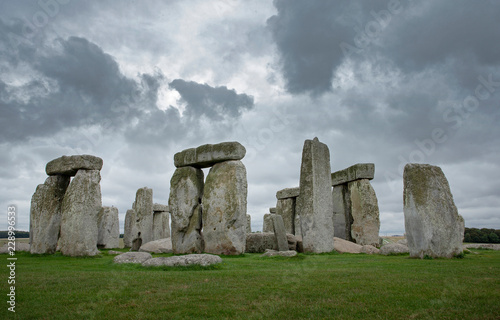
column 209, row 154
column 356, row 172
column 203, row 260
column 259, row 242
column 315, row 203
column 80, row 207
column 161, row 225
column 365, row 213
column 298, row 229
column 267, row 225
column 433, row 226
column 160, row 208
column 272, row 210
column 279, row 232
column 288, row 193
column 186, row 191
column 341, row 213
column 249, row 223
column 157, row 246
column 344, row 246
column 369, row 249
column 143, row 207
column 286, row 209
column 69, row 165
column 46, row 214
column 273, row 253
column 108, row 228
column 393, row 249
column 225, row 208
column 132, row 257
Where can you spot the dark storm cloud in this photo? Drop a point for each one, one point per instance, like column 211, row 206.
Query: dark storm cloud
column 213, row 102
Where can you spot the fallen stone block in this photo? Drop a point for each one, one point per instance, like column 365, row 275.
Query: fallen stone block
column 203, row 260
column 132, row 257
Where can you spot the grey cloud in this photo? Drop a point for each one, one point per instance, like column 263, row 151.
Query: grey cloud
column 213, row 102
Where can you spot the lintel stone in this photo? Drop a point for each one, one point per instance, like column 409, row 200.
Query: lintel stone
column 209, row 154
column 288, row 193
column 69, row 165
column 356, row 172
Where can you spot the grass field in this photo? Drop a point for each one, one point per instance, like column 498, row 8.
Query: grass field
column 327, row 286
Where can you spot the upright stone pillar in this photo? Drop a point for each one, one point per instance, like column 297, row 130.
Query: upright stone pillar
column 45, row 214
column 143, row 207
column 249, row 223
column 129, row 228
column 80, row 207
column 433, row 226
column 285, row 207
column 365, row 214
column 224, row 208
column 186, row 191
column 108, row 228
column 267, row 224
column 315, row 203
column 341, row 215
column 279, row 232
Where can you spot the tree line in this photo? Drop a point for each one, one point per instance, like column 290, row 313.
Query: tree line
column 483, row 235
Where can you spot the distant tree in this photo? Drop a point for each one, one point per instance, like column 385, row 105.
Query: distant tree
column 494, row 238
column 467, row 238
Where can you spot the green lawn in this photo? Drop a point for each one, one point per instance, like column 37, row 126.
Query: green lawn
column 329, row 286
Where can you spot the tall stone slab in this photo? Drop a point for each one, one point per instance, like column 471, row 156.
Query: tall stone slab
column 298, row 229
column 286, row 209
column 433, row 226
column 186, row 191
column 315, row 203
column 279, row 232
column 224, row 208
column 45, row 214
column 365, row 214
column 267, row 224
column 341, row 221
column 80, row 207
column 143, row 207
column 249, row 223
column 129, row 228
column 161, row 228
column 108, row 228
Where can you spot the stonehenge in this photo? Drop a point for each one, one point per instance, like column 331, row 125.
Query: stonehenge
column 285, row 207
column 315, row 203
column 217, row 205
column 355, row 205
column 161, row 221
column 108, row 228
column 249, row 223
column 433, row 226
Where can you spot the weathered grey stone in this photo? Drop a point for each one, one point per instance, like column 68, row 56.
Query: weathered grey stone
column 157, row 246
column 46, row 213
column 344, row 246
column 259, row 242
column 355, row 172
column 108, row 228
column 369, row 249
column 69, row 165
column 249, row 223
column 161, row 225
column 433, row 226
column 393, row 249
column 315, row 203
column 18, row 246
column 143, row 207
column 273, row 253
column 364, row 211
column 342, row 218
column 272, row 210
column 298, row 229
column 225, row 207
column 114, row 252
column 160, row 208
column 129, row 228
column 186, row 190
column 403, row 242
column 132, row 257
column 80, row 207
column 267, row 225
column 288, row 193
column 286, row 209
column 203, row 260
column 209, row 154
column 279, row 232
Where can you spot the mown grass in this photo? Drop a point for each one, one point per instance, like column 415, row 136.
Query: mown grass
column 326, row 286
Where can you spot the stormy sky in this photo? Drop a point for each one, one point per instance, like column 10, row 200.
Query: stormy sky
column 134, row 82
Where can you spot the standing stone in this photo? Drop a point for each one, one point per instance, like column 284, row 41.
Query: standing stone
column 433, row 226
column 225, row 207
column 129, row 228
column 315, row 203
column 249, row 223
column 341, row 221
column 286, row 209
column 108, row 228
column 80, row 207
column 267, row 225
column 365, row 213
column 161, row 228
column 186, row 190
column 45, row 214
column 272, row 210
column 143, row 207
column 298, row 229
column 279, row 232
